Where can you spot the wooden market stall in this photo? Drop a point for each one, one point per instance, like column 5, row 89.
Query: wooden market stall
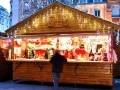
column 59, row 26
column 5, row 67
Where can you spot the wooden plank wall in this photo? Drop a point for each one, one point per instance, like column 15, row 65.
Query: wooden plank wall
column 5, row 68
column 75, row 73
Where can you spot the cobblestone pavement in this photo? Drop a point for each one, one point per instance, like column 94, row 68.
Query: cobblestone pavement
column 22, row 85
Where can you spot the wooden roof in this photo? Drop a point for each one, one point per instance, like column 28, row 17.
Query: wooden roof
column 58, row 18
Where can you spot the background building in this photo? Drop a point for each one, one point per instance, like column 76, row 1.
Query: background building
column 4, row 19
column 14, row 5
column 113, row 6
column 106, row 9
column 97, row 8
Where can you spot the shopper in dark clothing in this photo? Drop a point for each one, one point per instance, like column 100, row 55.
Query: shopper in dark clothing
column 57, row 61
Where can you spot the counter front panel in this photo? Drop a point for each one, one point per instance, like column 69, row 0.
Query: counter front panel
column 91, row 73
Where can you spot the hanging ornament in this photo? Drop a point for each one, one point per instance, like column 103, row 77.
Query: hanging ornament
column 109, row 30
column 114, row 33
column 98, row 31
column 118, row 37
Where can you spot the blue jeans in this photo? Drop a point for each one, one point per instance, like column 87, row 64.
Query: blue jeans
column 56, row 77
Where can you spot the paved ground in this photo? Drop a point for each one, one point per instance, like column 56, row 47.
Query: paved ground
column 22, row 85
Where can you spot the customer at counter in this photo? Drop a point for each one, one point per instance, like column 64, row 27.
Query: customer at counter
column 57, row 61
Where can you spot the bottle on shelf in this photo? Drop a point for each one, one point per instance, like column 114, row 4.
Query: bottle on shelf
column 91, row 56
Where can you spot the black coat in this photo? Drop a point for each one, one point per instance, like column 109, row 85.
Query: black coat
column 57, row 61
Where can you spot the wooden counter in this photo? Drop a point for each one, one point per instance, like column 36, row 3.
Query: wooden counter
column 76, row 72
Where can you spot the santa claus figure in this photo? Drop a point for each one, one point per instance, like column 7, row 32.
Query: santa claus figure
column 80, row 52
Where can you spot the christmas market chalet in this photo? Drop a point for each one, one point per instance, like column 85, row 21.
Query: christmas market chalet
column 90, row 44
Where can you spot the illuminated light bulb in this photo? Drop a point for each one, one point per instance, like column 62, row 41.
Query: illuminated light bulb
column 36, row 25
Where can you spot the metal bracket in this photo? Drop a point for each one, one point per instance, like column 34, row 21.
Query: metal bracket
column 17, row 64
column 40, row 66
column 76, row 66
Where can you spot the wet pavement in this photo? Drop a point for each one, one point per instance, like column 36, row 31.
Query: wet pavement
column 29, row 85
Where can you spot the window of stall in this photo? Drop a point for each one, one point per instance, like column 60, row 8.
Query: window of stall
column 5, row 48
column 73, row 47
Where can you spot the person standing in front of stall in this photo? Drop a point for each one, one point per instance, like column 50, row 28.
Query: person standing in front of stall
column 57, row 61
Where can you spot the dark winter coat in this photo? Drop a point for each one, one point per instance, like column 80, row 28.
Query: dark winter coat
column 57, row 61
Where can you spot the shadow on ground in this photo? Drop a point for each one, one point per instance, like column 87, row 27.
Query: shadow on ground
column 66, row 86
